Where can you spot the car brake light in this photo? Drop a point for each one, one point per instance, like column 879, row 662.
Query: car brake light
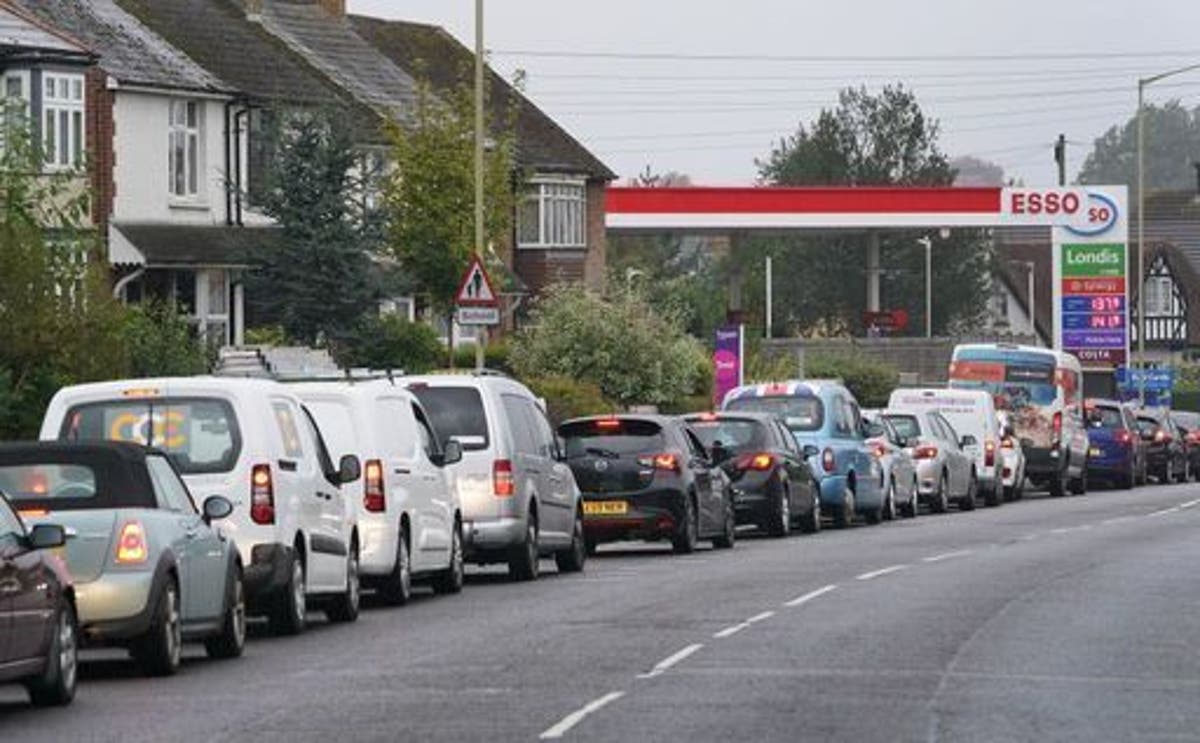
column 707, row 417
column 664, row 462
column 131, row 544
column 759, row 462
column 503, row 484
column 989, row 453
column 1161, row 436
column 373, row 496
column 879, row 450
column 926, row 452
column 1008, row 443
column 828, row 463
column 1056, row 425
column 608, row 424
column 262, row 495
column 1124, row 438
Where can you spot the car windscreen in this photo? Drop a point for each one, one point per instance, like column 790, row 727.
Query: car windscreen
column 1105, row 416
column 798, row 413
column 612, row 438
column 905, row 426
column 200, row 435
column 737, row 435
column 456, row 413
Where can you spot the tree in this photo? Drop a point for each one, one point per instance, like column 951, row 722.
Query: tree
column 974, row 171
column 1172, row 144
column 868, row 140
column 317, row 283
column 430, row 194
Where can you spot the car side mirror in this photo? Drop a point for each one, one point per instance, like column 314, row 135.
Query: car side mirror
column 452, row 453
column 968, row 441
column 349, row 469
column 216, row 507
column 810, row 451
column 47, row 536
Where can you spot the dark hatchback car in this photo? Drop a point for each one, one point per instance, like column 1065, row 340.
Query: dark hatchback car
column 1166, row 448
column 1188, row 424
column 38, row 631
column 772, row 483
column 1116, row 451
column 647, row 477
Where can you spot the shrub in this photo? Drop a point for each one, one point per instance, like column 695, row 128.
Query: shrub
column 267, row 335
column 495, row 356
column 870, row 381
column 568, row 398
column 390, row 342
column 161, row 342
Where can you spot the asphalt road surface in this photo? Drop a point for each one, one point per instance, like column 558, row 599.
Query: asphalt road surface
column 1044, row 620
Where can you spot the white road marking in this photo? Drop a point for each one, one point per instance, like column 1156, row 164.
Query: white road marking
column 565, row 724
column 1118, row 519
column 730, row 631
column 760, row 617
column 1028, row 538
column 799, row 600
column 666, row 664
column 1163, row 512
column 1190, row 503
column 881, row 572
column 1062, row 530
column 947, row 556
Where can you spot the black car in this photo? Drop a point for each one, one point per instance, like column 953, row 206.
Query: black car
column 647, row 477
column 1166, row 452
column 772, row 483
column 38, row 631
column 1188, row 424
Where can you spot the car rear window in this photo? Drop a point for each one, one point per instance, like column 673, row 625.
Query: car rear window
column 906, row 426
column 735, row 434
column 46, row 483
column 200, row 435
column 336, row 423
column 1104, row 416
column 798, row 413
column 71, row 480
column 456, row 413
column 612, row 437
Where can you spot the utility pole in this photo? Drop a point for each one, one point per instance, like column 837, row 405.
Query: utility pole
column 479, row 142
column 770, row 296
column 1060, row 157
column 928, row 243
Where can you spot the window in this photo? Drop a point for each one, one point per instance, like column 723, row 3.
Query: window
column 184, row 152
column 1159, row 293
column 520, row 425
column 62, row 120
column 553, row 214
column 428, row 440
column 11, row 529
column 288, row 431
column 456, row 413
column 172, row 494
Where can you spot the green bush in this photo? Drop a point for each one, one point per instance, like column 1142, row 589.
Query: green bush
column 161, row 342
column 567, row 398
column 495, row 357
column 870, row 381
column 267, row 335
column 390, row 342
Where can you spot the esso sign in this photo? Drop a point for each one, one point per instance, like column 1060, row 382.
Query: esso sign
column 1049, row 203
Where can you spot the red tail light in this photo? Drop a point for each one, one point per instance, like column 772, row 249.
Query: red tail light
column 262, row 495
column 926, row 452
column 1008, row 443
column 1161, row 437
column 608, row 424
column 665, row 462
column 1124, row 438
column 758, row 462
column 503, row 484
column 131, row 544
column 989, row 453
column 1056, row 426
column 373, row 496
column 879, row 450
column 828, row 463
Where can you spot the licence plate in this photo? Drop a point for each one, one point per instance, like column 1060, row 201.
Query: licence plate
column 1094, row 452
column 605, row 508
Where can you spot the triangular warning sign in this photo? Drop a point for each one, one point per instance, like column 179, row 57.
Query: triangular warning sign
column 476, row 288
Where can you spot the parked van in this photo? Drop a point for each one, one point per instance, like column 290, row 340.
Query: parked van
column 519, row 499
column 251, row 441
column 974, row 419
column 1042, row 392
column 409, row 519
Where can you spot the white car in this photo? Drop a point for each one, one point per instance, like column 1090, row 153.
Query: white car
column 1013, row 459
column 251, row 441
column 945, row 472
column 409, row 518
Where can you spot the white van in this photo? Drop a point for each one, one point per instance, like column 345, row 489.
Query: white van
column 251, row 441
column 974, row 418
column 1041, row 392
column 409, row 518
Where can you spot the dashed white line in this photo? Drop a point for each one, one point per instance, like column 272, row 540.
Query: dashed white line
column 1062, row 530
column 1118, row 519
column 1163, row 512
column 947, row 556
column 665, row 665
column 1190, row 503
column 881, row 572
column 800, row 600
column 565, row 724
column 730, row 631
column 760, row 617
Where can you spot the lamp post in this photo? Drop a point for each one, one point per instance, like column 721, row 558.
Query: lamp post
column 1143, row 82
column 480, row 135
column 928, row 243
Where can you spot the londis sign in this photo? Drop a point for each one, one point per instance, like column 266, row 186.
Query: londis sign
column 1082, row 212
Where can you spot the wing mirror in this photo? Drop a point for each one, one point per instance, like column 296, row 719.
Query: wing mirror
column 451, row 454
column 968, row 441
column 47, row 536
column 810, row 451
column 217, row 507
column 349, row 470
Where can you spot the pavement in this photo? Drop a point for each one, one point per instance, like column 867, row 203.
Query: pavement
column 1042, row 620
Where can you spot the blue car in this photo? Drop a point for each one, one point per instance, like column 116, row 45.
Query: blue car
column 1116, row 452
column 826, row 420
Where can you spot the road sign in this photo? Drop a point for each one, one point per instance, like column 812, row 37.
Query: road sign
column 477, row 316
column 887, row 321
column 476, row 288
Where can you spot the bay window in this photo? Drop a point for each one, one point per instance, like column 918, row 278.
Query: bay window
column 62, row 120
column 553, row 214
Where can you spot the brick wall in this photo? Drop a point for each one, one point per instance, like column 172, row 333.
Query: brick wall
column 99, row 134
column 596, row 260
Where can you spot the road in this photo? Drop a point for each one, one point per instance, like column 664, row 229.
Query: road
column 1068, row 619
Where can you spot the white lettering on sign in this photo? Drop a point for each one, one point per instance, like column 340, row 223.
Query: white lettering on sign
column 1094, row 258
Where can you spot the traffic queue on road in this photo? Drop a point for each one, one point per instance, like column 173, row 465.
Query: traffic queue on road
column 156, row 512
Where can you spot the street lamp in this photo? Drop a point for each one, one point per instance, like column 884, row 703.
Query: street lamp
column 1141, row 231
column 928, row 243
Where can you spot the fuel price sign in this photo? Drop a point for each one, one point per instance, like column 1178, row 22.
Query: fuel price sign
column 1093, row 308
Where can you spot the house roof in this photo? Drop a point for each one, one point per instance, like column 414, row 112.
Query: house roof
column 22, row 33
column 164, row 245
column 432, row 53
column 1011, row 269
column 128, row 50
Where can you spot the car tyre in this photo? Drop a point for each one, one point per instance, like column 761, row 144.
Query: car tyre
column 55, row 687
column 231, row 642
column 345, row 607
column 1186, row 474
column 523, row 558
column 728, row 536
column 780, row 524
column 889, row 503
column 941, row 499
column 159, row 651
column 289, row 614
column 995, row 495
column 396, row 587
column 913, row 508
column 812, row 522
column 685, row 538
column 572, row 559
column 1079, row 485
column 843, row 513
column 1126, row 480
column 451, row 579
column 967, row 502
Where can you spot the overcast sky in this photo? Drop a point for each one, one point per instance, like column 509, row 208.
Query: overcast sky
column 712, row 118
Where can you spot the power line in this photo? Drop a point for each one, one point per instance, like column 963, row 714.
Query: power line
column 1090, row 71
column 883, row 58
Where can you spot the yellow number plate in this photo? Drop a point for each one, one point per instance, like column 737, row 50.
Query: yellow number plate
column 606, row 508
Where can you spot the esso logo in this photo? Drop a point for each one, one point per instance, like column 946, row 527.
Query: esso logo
column 1050, row 203
column 1100, row 217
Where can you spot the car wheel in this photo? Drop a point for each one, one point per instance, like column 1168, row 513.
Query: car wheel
column 843, row 513
column 812, row 522
column 344, row 608
column 451, row 579
column 686, row 534
column 889, row 503
column 914, row 501
column 728, row 535
column 941, row 499
column 995, row 495
column 231, row 642
column 571, row 560
column 159, row 651
column 291, row 605
column 523, row 558
column 396, row 588
column 591, row 547
column 1079, row 485
column 1125, row 481
column 781, row 520
column 967, row 502
column 55, row 687
column 1186, row 474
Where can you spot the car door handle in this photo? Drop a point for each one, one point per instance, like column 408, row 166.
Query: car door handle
column 402, row 471
column 326, row 496
column 287, row 465
column 191, row 533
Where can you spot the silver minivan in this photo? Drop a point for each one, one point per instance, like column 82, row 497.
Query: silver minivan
column 519, row 500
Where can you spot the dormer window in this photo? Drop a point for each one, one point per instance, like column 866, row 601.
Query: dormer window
column 62, row 120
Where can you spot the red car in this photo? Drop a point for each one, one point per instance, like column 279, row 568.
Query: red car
column 38, row 632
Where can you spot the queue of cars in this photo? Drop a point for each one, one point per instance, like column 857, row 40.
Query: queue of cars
column 309, row 490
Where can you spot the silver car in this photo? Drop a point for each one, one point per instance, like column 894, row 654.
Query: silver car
column 898, row 476
column 945, row 472
column 149, row 569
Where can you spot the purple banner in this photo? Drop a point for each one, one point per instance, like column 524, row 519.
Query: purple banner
column 727, row 362
column 1093, row 339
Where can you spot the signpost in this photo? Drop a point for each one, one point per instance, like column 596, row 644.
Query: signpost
column 728, row 361
column 476, row 304
column 1155, row 384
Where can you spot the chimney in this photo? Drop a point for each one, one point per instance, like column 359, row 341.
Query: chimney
column 335, row 8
